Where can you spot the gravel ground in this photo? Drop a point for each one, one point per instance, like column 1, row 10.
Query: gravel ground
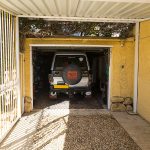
column 74, row 129
column 97, row 132
column 62, row 124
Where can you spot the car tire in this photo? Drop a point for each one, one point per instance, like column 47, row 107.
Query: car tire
column 52, row 96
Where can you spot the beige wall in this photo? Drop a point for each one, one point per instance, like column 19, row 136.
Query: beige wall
column 144, row 71
column 121, row 80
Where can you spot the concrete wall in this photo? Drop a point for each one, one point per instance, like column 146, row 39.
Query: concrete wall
column 122, row 55
column 144, row 71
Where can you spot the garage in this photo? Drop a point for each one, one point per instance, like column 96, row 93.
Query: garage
column 98, row 61
column 118, row 68
column 114, row 58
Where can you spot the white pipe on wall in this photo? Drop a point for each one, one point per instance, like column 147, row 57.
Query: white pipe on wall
column 136, row 68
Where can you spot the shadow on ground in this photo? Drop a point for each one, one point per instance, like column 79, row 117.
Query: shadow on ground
column 65, row 128
column 77, row 102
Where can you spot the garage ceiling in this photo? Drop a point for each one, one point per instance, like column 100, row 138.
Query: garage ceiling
column 80, row 10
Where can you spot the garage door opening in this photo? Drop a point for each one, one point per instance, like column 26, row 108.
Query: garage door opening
column 99, row 61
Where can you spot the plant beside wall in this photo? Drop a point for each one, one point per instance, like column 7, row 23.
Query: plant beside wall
column 42, row 28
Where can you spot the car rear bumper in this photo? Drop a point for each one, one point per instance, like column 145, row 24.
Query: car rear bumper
column 83, row 83
column 70, row 89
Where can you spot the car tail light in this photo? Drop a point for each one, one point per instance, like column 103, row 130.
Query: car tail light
column 56, row 73
column 90, row 79
column 50, row 78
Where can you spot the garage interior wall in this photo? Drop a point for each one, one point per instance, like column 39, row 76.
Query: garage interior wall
column 122, row 61
column 144, row 71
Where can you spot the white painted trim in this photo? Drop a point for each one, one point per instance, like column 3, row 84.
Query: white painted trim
column 83, row 19
column 17, row 66
column 136, row 67
column 109, row 80
column 70, row 45
column 121, row 1
column 31, row 75
column 100, row 46
column 145, row 19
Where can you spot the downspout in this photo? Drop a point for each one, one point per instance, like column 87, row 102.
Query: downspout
column 136, row 68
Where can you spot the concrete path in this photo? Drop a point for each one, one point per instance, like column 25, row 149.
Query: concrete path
column 137, row 128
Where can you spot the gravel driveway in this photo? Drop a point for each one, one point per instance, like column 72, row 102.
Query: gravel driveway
column 97, row 132
column 64, row 129
column 82, row 130
column 58, row 128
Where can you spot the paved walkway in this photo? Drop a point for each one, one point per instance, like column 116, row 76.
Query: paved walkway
column 137, row 128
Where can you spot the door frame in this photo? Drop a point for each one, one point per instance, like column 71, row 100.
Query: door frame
column 72, row 45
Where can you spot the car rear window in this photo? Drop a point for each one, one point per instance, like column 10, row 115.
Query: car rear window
column 62, row 61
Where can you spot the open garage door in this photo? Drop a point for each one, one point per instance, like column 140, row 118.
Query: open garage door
column 99, row 63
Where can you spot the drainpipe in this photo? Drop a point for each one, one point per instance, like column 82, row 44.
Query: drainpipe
column 136, row 68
